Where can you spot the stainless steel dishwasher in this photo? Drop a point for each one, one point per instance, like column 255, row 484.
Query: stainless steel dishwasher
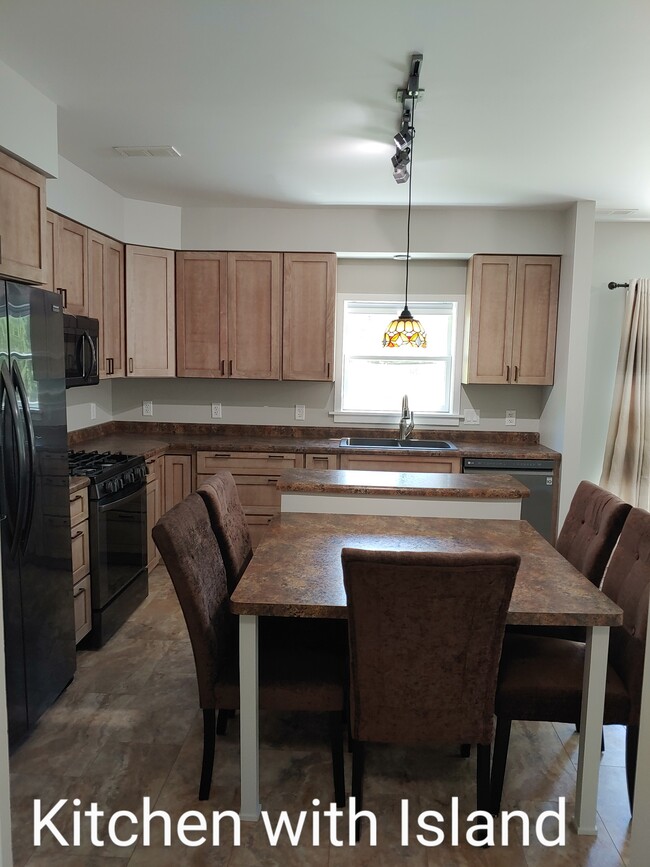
column 539, row 478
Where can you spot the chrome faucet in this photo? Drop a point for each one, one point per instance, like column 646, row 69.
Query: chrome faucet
column 406, row 423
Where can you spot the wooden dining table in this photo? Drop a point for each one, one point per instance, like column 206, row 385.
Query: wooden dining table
column 296, row 572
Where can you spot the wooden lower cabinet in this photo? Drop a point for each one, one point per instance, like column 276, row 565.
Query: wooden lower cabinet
column 256, row 475
column 321, row 462
column 178, row 480
column 81, row 598
column 155, row 504
column 402, row 464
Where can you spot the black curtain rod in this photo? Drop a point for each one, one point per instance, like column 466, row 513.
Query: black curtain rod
column 613, row 285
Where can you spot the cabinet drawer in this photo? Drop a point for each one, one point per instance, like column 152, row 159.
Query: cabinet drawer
column 80, row 551
column 82, row 608
column 257, row 525
column 256, row 490
column 210, row 462
column 152, row 469
column 321, row 462
column 78, row 507
column 405, row 464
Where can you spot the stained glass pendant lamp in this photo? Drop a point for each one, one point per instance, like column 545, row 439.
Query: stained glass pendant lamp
column 406, row 330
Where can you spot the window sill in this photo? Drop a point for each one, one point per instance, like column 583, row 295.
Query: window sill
column 373, row 419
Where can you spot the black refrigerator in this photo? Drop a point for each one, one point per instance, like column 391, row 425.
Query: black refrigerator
column 35, row 504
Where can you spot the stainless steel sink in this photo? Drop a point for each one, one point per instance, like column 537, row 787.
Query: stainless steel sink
column 379, row 443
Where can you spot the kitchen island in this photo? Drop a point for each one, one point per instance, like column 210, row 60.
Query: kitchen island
column 427, row 495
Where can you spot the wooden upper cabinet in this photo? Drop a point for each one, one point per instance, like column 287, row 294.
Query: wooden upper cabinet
column 66, row 262
column 202, row 314
column 535, row 326
column 150, row 316
column 511, row 319
column 22, row 221
column 106, row 301
column 308, row 316
column 254, row 315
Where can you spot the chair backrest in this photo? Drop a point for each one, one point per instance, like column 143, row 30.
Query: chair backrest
column 627, row 582
column 189, row 549
column 229, row 524
column 591, row 529
column 425, row 635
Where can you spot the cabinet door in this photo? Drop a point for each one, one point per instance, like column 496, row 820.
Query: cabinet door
column 254, row 305
column 178, row 479
column 533, row 350
column 22, row 221
column 71, row 265
column 309, row 298
column 106, row 301
column 79, row 546
column 491, row 282
column 150, row 319
column 201, row 314
column 82, row 608
column 153, row 506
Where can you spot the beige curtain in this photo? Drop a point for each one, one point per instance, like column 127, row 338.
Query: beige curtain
column 626, row 467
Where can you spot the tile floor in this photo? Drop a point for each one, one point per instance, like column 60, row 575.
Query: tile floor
column 129, row 727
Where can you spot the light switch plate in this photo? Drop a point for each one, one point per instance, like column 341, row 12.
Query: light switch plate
column 472, row 416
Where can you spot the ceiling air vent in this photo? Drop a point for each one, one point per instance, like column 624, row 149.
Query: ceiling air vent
column 615, row 212
column 151, row 151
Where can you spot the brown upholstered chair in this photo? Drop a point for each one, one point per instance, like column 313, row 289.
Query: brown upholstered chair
column 425, row 639
column 589, row 533
column 228, row 519
column 299, row 680
column 541, row 678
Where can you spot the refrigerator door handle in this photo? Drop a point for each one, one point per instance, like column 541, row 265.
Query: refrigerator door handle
column 15, row 519
column 31, row 453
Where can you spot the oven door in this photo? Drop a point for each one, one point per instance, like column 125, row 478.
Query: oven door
column 118, row 542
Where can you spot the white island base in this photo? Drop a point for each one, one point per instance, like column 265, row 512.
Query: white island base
column 427, row 495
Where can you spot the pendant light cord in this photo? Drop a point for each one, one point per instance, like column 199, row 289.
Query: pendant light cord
column 408, row 218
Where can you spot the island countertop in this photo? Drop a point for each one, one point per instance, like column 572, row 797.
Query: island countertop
column 490, row 486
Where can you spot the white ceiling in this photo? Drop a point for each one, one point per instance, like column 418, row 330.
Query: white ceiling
column 292, row 102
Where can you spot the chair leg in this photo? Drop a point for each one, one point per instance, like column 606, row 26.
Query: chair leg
column 209, row 725
column 358, row 760
column 338, row 769
column 465, row 751
column 501, row 741
column 222, row 721
column 631, row 749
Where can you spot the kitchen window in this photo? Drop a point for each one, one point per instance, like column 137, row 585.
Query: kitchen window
column 372, row 378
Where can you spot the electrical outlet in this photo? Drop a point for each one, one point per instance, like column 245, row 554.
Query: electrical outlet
column 472, row 416
column 147, row 407
column 93, row 411
column 300, row 412
column 216, row 410
column 511, row 418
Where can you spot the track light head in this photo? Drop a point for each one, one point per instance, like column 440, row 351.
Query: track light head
column 400, row 174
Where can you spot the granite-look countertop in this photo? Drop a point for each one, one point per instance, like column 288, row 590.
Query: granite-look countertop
column 488, row 486
column 78, row 483
column 134, row 438
column 296, row 570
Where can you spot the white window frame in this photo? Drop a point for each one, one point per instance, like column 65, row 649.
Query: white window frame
column 374, row 419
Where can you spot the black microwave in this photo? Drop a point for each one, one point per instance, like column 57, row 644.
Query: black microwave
column 81, row 342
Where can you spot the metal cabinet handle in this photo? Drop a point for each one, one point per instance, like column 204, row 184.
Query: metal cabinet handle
column 130, row 365
column 276, row 457
column 221, row 455
column 230, row 368
column 271, row 481
column 328, row 369
column 507, row 373
column 516, row 373
column 79, row 592
column 77, row 497
column 223, row 366
column 77, row 534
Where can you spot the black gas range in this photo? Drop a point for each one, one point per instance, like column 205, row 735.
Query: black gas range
column 117, row 507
